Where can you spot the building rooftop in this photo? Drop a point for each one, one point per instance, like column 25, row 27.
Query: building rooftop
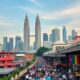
column 4, row 52
column 6, row 70
column 59, row 43
column 26, row 52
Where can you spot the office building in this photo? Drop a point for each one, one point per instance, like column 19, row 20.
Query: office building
column 45, row 37
column 18, row 43
column 26, row 34
column 64, row 34
column 74, row 34
column 70, row 37
column 55, row 35
column 10, row 44
column 5, row 40
column 37, row 33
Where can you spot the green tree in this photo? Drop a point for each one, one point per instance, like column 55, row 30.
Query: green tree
column 41, row 50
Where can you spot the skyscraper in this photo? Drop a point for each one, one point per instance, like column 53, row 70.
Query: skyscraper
column 37, row 33
column 50, row 37
column 55, row 35
column 10, row 43
column 74, row 34
column 8, row 46
column 5, row 40
column 17, row 41
column 70, row 37
column 45, row 37
column 26, row 34
column 1, row 47
column 64, row 34
column 34, row 47
column 20, row 45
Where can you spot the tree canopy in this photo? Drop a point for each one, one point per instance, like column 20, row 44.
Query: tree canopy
column 41, row 50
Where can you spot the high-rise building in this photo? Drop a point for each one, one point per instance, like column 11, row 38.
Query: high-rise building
column 26, row 34
column 17, row 41
column 8, row 46
column 1, row 47
column 5, row 40
column 55, row 35
column 11, row 43
column 34, row 46
column 57, row 31
column 20, row 45
column 50, row 37
column 45, row 37
column 74, row 34
column 37, row 33
column 64, row 34
column 70, row 37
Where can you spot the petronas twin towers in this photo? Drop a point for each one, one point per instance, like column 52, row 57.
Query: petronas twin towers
column 27, row 34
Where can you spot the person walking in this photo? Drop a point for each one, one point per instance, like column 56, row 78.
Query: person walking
column 64, row 77
column 27, row 77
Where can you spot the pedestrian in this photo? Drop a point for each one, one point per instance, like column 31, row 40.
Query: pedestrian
column 27, row 77
column 71, row 77
column 48, row 77
column 60, row 78
column 64, row 77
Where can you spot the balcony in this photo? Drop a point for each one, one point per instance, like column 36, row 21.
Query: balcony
column 7, row 58
column 9, row 64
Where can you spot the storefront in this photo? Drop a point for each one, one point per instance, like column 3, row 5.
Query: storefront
column 73, row 62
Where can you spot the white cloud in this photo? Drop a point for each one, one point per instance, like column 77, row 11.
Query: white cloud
column 1, row 18
column 72, row 11
column 36, row 2
column 69, row 12
column 7, row 25
column 75, row 22
column 28, row 9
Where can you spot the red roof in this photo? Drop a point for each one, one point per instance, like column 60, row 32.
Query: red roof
column 76, row 37
column 9, row 64
column 5, row 52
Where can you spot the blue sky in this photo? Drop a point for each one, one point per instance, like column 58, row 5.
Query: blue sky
column 51, row 12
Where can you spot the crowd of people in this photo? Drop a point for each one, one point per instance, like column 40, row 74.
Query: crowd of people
column 44, row 71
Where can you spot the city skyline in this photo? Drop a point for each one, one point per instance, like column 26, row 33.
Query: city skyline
column 11, row 23
column 8, row 44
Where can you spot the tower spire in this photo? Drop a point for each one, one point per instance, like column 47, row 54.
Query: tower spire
column 37, row 18
column 26, row 17
column 37, row 15
column 37, row 33
column 26, row 34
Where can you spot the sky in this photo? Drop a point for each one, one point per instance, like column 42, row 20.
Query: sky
column 52, row 13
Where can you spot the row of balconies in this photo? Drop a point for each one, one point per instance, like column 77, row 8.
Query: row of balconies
column 8, row 64
column 7, row 58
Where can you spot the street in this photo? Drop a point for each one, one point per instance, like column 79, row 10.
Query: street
column 45, row 71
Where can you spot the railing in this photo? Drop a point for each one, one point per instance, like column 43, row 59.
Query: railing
column 18, row 76
column 6, row 59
